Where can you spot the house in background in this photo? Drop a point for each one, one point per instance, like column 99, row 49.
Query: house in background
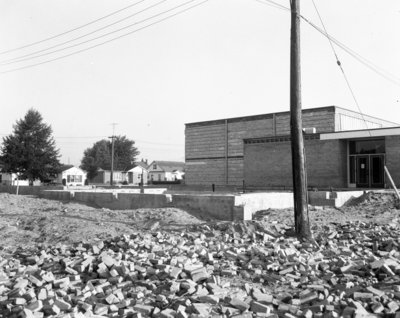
column 139, row 174
column 7, row 178
column 71, row 176
column 166, row 171
column 104, row 177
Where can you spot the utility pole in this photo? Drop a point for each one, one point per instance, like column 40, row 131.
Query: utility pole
column 112, row 154
column 302, row 225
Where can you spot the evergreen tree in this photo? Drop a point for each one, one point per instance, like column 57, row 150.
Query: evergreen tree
column 30, row 150
column 99, row 156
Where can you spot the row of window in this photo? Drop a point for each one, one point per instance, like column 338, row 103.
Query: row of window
column 72, row 178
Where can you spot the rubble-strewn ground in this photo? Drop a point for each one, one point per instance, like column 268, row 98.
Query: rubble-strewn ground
column 70, row 260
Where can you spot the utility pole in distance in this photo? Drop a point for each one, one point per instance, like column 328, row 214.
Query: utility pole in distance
column 112, row 154
column 302, row 225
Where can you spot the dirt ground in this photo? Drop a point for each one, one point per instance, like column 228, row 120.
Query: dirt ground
column 29, row 222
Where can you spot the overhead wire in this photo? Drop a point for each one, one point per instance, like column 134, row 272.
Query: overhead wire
column 385, row 74
column 71, row 30
column 118, row 37
column 106, row 137
column 274, row 4
column 342, row 70
column 373, row 67
column 29, row 56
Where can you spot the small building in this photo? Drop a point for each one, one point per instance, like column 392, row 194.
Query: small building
column 104, row 177
column 344, row 149
column 7, row 178
column 166, row 171
column 71, row 176
column 139, row 174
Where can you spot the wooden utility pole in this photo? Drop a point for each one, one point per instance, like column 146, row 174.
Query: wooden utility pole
column 298, row 157
column 112, row 160
column 112, row 155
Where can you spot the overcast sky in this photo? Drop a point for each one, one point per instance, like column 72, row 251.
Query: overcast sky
column 221, row 59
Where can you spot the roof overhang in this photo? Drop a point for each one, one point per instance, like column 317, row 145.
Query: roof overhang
column 380, row 132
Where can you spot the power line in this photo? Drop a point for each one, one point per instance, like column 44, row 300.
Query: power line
column 341, row 68
column 101, row 36
column 29, row 56
column 82, row 137
column 71, row 30
column 116, row 38
column 157, row 143
column 274, row 4
column 373, row 67
column 74, row 138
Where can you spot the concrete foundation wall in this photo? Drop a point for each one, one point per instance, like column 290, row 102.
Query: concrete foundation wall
column 218, row 207
column 269, row 164
column 253, row 202
column 138, row 201
column 56, row 195
column 336, row 199
column 98, row 200
column 122, row 201
column 27, row 190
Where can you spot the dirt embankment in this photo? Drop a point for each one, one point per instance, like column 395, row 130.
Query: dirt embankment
column 27, row 221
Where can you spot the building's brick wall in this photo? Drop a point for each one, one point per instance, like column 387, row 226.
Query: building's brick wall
column 205, row 141
column 321, row 119
column 210, row 171
column 237, row 131
column 392, row 144
column 235, row 171
column 270, row 164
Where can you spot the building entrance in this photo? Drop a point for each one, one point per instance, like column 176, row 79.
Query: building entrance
column 370, row 171
column 366, row 162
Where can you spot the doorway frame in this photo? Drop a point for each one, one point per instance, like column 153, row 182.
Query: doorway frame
column 352, row 160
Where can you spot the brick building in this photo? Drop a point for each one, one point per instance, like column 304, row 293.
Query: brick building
column 340, row 151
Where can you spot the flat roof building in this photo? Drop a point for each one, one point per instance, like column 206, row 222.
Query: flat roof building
column 343, row 149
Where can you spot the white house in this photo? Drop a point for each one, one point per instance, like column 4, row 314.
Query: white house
column 166, row 170
column 104, row 177
column 139, row 174
column 11, row 179
column 71, row 176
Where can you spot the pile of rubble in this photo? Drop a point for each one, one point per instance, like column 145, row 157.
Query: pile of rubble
column 212, row 270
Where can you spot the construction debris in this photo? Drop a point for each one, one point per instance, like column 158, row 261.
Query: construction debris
column 210, row 270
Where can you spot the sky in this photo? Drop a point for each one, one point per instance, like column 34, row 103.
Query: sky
column 218, row 59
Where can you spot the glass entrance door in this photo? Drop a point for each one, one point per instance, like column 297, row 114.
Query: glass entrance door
column 377, row 171
column 367, row 163
column 362, row 168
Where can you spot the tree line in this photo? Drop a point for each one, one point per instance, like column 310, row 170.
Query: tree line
column 31, row 152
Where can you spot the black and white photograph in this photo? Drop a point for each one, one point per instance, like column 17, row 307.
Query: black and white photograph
column 200, row 158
